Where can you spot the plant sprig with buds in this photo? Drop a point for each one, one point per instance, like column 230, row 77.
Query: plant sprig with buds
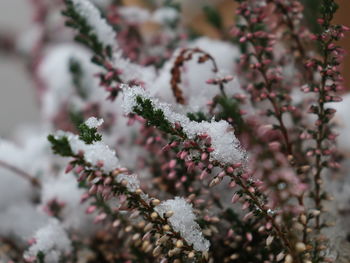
column 104, row 186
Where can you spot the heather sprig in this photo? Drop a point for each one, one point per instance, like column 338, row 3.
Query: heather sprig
column 103, row 185
column 249, row 193
column 236, row 135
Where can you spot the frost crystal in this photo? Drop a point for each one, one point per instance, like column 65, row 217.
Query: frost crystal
column 103, row 31
column 52, row 240
column 93, row 122
column 183, row 221
column 226, row 146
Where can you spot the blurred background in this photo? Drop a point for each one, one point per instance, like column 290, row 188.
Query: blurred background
column 18, row 104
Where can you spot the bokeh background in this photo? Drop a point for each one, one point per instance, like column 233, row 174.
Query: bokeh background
column 18, row 105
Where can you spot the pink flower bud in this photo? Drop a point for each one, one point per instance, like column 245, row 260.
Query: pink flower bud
column 249, row 236
column 100, row 217
column 232, row 184
column 235, row 198
column 91, row 209
column 69, row 168
column 221, row 174
column 31, row 241
column 210, row 81
column 172, row 164
column 242, row 39
column 203, row 174
column 210, row 149
column 79, row 169
column 245, row 205
column 183, row 154
column 229, row 169
column 274, row 146
column 93, row 190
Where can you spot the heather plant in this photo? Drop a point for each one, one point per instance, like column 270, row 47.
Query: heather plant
column 161, row 145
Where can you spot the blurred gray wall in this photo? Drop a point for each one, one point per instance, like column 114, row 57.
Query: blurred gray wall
column 17, row 100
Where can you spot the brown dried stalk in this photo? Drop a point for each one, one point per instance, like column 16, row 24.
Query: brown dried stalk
column 184, row 56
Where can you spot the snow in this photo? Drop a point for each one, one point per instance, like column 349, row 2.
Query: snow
column 194, row 76
column 343, row 122
column 20, row 220
column 183, row 221
column 93, row 122
column 226, row 146
column 64, row 188
column 57, row 78
column 95, row 153
column 133, row 71
column 132, row 180
column 134, row 14
column 164, row 15
column 102, row 30
column 52, row 240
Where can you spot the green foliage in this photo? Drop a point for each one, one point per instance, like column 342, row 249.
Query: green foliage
column 41, row 257
column 242, row 228
column 171, row 3
column 328, row 9
column 310, row 15
column 88, row 135
column 77, row 75
column 86, row 36
column 213, row 16
column 154, row 117
column 60, row 146
column 76, row 117
column 230, row 109
column 197, row 116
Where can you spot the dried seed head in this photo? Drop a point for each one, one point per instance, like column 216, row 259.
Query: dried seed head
column 179, row 244
column 174, row 252
column 269, row 240
column 157, row 251
column 303, row 219
column 136, row 237
column 154, row 215
column 166, row 228
column 316, row 212
column 280, row 256
column 139, row 191
column 234, row 256
column 148, row 227
column 300, row 247
column 145, row 245
column 169, row 214
column 162, row 240
column 155, row 202
column 124, row 183
column 128, row 229
column 288, row 259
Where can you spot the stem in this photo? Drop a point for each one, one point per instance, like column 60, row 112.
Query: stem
column 319, row 141
column 21, row 173
column 275, row 226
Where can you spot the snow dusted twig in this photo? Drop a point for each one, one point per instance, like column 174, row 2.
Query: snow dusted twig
column 260, row 59
column 192, row 151
column 98, row 167
column 219, row 150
